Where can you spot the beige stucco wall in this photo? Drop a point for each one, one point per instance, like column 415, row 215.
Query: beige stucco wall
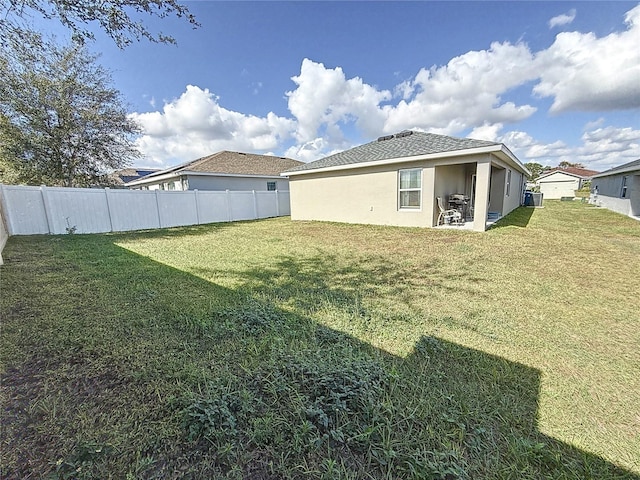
column 369, row 195
column 514, row 199
column 364, row 195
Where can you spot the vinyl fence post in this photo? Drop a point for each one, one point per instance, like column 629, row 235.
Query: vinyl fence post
column 6, row 214
column 228, row 196
column 47, row 208
column 255, row 204
column 195, row 195
column 157, row 192
column 106, row 195
column 277, row 204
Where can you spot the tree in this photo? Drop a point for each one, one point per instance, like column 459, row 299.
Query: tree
column 536, row 170
column 564, row 164
column 115, row 17
column 61, row 123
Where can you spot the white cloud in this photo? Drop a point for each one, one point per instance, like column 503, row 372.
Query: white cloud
column 564, row 19
column 486, row 131
column 312, row 150
column 324, row 97
column 195, row 124
column 472, row 92
column 583, row 72
column 601, row 148
column 465, row 93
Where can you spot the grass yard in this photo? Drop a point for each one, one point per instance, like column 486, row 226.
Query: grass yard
column 277, row 349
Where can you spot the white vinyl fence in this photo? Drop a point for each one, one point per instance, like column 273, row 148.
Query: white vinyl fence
column 53, row 210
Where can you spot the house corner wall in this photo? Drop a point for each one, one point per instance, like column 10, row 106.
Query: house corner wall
column 481, row 203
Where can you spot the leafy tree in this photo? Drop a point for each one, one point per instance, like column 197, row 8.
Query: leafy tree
column 117, row 18
column 565, row 164
column 61, row 123
column 535, row 168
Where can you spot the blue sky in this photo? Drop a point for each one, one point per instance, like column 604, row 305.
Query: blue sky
column 552, row 80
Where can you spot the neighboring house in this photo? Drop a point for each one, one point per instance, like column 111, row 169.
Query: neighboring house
column 618, row 189
column 222, row 171
column 120, row 177
column 397, row 179
column 563, row 182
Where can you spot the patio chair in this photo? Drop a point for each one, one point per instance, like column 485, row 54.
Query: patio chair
column 448, row 216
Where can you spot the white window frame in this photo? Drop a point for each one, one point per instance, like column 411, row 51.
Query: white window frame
column 508, row 182
column 401, row 190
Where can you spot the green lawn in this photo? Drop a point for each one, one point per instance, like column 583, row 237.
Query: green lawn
column 277, row 349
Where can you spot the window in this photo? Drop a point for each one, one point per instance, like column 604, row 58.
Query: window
column 623, row 192
column 410, row 188
column 271, row 186
column 508, row 182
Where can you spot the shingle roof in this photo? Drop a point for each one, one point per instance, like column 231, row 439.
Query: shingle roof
column 125, row 175
column 578, row 172
column 235, row 163
column 631, row 166
column 403, row 144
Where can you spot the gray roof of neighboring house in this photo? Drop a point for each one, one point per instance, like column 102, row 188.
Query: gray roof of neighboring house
column 583, row 173
column 403, row 144
column 233, row 163
column 130, row 174
column 627, row 167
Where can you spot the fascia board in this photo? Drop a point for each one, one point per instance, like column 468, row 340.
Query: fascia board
column 147, row 179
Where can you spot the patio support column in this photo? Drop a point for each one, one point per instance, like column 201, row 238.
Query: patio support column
column 481, row 202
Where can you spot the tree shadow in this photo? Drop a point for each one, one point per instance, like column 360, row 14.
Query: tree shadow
column 177, row 377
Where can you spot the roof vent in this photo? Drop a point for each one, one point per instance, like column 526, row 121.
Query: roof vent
column 386, row 137
column 406, row 133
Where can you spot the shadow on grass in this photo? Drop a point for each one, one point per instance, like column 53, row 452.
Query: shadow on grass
column 139, row 369
column 518, row 218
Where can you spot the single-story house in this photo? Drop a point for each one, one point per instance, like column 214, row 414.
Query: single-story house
column 397, row 180
column 618, row 189
column 126, row 175
column 563, row 182
column 224, row 170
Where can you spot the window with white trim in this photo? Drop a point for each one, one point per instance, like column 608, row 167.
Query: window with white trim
column 410, row 189
column 508, row 182
column 623, row 192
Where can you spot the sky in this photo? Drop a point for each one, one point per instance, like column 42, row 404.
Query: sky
column 553, row 81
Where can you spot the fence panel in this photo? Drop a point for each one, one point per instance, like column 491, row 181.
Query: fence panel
column 242, row 206
column 132, row 210
column 213, row 207
column 24, row 210
column 40, row 210
column 176, row 209
column 84, row 210
column 267, row 203
column 284, row 204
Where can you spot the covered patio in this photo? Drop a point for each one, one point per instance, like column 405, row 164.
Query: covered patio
column 481, row 192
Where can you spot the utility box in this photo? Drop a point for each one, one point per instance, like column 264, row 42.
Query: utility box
column 532, row 199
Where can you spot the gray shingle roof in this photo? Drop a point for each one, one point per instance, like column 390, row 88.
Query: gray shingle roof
column 235, row 163
column 403, row 144
column 634, row 165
